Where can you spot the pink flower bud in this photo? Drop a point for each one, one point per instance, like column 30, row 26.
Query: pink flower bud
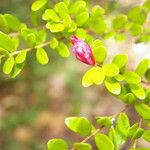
column 82, row 51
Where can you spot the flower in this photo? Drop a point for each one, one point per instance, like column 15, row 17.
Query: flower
column 82, row 51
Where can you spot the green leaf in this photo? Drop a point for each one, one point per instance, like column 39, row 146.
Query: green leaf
column 122, row 125
column 38, row 4
column 61, row 8
column 129, row 98
column 6, row 42
column 111, row 70
column 143, row 110
column 57, row 144
column 82, row 146
column 138, row 90
column 98, row 11
column 16, row 69
column 21, row 57
column 113, row 86
column 99, row 51
column 81, row 33
column 58, row 27
column 82, row 18
column 105, row 121
column 113, row 136
column 95, row 75
column 120, row 37
column 103, row 142
column 146, row 135
column 53, row 43
column 50, row 14
column 79, row 125
column 41, row 56
column 16, row 41
column 147, row 74
column 8, row 65
column 143, row 67
column 132, row 77
column 4, row 52
column 73, row 27
column 147, row 98
column 63, row 50
column 138, row 14
column 67, row 20
column 119, row 21
column 120, row 60
column 3, row 24
column 136, row 29
column 147, row 5
column 13, row 23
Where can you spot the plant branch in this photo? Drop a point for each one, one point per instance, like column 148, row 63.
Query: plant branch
column 99, row 129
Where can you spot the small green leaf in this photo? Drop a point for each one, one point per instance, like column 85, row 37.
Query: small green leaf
column 8, row 65
column 143, row 110
column 119, row 37
column 67, row 20
column 119, row 21
column 38, row 4
column 41, row 56
column 143, row 67
column 50, row 14
column 113, row 86
column 146, row 135
column 53, row 43
column 20, row 58
column 120, row 60
column 139, row 11
column 122, row 125
column 132, row 77
column 63, row 50
column 73, row 27
column 147, row 5
column 99, row 51
column 55, row 27
column 57, row 144
column 105, row 121
column 95, row 75
column 16, row 42
column 82, row 18
column 61, row 8
column 103, row 142
column 82, row 146
column 136, row 29
column 6, row 42
column 147, row 74
column 147, row 98
column 111, row 70
column 129, row 98
column 113, row 136
column 80, row 125
column 81, row 33
column 98, row 11
column 138, row 90
column 4, row 52
column 16, row 69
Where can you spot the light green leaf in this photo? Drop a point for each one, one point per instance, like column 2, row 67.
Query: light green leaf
column 142, row 67
column 119, row 37
column 120, row 60
column 82, row 18
column 55, row 27
column 61, row 8
column 95, row 75
column 4, row 52
column 143, row 110
column 82, row 146
column 80, row 125
column 16, row 42
column 146, row 135
column 104, row 121
column 132, row 77
column 111, row 70
column 147, row 5
column 63, row 50
column 113, row 86
column 6, row 42
column 129, row 98
column 8, row 65
column 122, row 125
column 98, row 11
column 103, row 142
column 38, row 4
column 57, row 144
column 73, row 27
column 67, row 20
column 136, row 29
column 21, row 57
column 50, row 14
column 99, row 51
column 81, row 33
column 41, row 56
column 147, row 98
column 53, row 43
column 138, row 90
column 147, row 74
